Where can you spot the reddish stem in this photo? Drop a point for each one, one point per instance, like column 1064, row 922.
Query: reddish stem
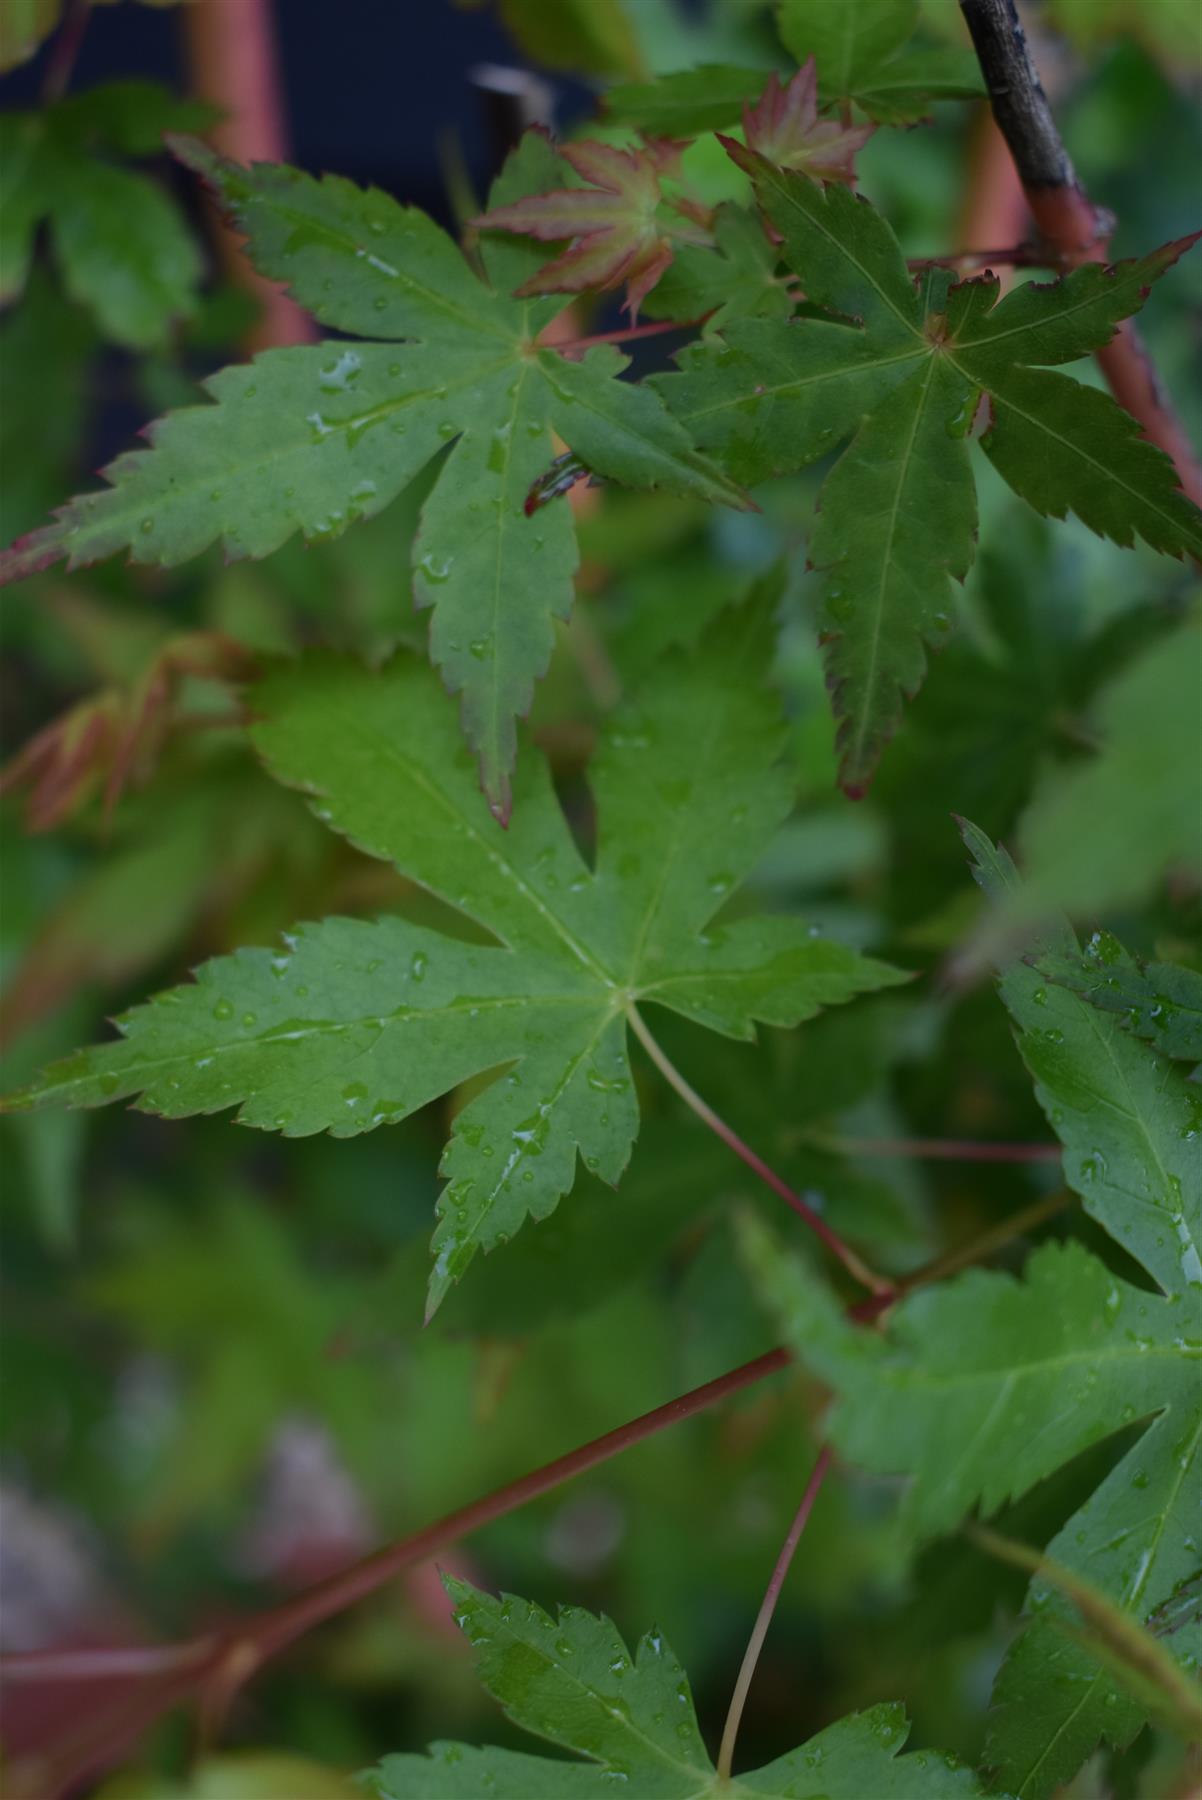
column 759, row 1630
column 949, row 1150
column 855, row 1265
column 568, row 346
column 219, row 1665
column 1069, row 223
column 235, row 64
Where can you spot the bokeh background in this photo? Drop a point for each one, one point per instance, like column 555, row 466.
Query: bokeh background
column 217, row 1387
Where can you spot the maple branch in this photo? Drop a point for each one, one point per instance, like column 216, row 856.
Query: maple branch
column 856, row 1267
column 568, row 346
column 946, row 1149
column 1021, row 256
column 1016, row 1225
column 759, row 1630
column 219, row 1664
column 63, row 57
column 235, row 63
column 1071, row 226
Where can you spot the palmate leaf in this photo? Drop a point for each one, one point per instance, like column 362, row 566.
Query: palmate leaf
column 572, row 1681
column 358, row 1024
column 900, row 371
column 984, row 1386
column 860, row 49
column 312, row 438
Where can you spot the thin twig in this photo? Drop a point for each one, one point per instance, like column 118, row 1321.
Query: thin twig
column 855, row 1265
column 946, row 1149
column 568, row 346
column 1028, row 1218
column 218, row 1665
column 64, row 55
column 759, row 1630
column 1070, row 224
column 1021, row 256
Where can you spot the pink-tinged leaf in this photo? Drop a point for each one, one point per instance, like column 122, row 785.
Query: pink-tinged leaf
column 612, row 226
column 110, row 738
column 785, row 128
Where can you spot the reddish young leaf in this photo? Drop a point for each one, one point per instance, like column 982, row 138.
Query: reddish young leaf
column 105, row 739
column 613, row 225
column 784, row 127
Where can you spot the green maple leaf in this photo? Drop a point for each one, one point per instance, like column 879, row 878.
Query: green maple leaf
column 358, row 1024
column 687, row 101
column 896, row 525
column 983, row 1386
column 123, row 247
column 1145, row 782
column 309, row 439
column 572, row 1681
column 860, row 49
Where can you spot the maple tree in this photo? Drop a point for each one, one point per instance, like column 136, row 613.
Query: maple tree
column 563, row 881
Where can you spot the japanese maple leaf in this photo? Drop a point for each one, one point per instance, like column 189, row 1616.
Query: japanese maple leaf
column 785, row 128
column 445, row 372
column 897, row 371
column 356, row 1023
column 571, row 1681
column 614, row 226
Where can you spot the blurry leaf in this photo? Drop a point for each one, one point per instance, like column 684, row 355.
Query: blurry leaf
column 1168, row 27
column 104, row 932
column 686, row 102
column 45, row 349
column 312, row 438
column 1105, row 832
column 859, row 46
column 243, row 1775
column 228, row 1297
column 356, row 1025
column 896, row 522
column 1147, row 1672
column 131, row 117
column 613, row 222
column 594, row 36
column 23, row 25
column 107, row 740
column 123, row 246
column 571, row 1681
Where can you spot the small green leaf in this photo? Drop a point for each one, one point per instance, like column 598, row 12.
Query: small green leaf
column 686, row 102
column 859, row 46
column 572, row 1681
column 124, row 247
